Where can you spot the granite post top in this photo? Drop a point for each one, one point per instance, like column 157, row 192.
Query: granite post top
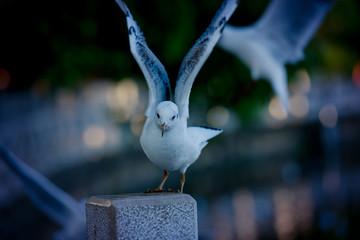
column 139, row 199
column 142, row 216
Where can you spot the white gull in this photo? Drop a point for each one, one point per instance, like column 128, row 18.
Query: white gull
column 166, row 139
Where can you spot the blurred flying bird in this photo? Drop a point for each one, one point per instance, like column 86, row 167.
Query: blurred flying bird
column 277, row 38
column 49, row 199
column 166, row 139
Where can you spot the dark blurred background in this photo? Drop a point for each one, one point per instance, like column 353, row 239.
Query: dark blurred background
column 72, row 100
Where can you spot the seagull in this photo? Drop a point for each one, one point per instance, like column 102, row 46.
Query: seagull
column 277, row 38
column 56, row 204
column 166, row 138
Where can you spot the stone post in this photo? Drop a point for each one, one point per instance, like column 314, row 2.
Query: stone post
column 142, row 216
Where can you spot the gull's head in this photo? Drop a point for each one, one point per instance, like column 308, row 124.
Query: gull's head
column 166, row 116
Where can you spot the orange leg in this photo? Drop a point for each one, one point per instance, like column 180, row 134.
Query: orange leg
column 166, row 175
column 182, row 181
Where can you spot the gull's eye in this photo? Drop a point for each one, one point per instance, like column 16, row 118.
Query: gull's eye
column 158, row 116
column 173, row 118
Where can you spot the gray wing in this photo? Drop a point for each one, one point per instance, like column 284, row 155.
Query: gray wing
column 49, row 199
column 277, row 38
column 154, row 72
column 198, row 54
column 290, row 24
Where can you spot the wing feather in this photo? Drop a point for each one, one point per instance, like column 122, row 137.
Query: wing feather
column 277, row 38
column 290, row 25
column 154, row 72
column 47, row 197
column 198, row 54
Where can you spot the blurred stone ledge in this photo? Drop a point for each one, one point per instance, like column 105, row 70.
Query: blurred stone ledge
column 142, row 216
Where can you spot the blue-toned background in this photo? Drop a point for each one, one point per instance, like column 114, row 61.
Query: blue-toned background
column 72, row 100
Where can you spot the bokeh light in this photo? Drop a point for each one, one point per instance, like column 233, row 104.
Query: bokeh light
column 245, row 222
column 301, row 83
column 276, row 109
column 284, row 214
column 94, row 136
column 305, row 207
column 4, row 78
column 137, row 123
column 299, row 106
column 218, row 116
column 123, row 99
column 328, row 115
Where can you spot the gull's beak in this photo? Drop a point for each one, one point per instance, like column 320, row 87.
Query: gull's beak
column 163, row 127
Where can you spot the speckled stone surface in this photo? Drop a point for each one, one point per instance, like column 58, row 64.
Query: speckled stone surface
column 142, row 216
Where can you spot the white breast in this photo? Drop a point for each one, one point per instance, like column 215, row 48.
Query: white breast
column 166, row 152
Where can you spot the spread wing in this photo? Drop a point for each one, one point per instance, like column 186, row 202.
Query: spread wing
column 154, row 72
column 290, row 24
column 277, row 38
column 198, row 54
column 48, row 198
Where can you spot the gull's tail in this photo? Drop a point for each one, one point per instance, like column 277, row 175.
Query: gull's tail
column 201, row 134
column 49, row 199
